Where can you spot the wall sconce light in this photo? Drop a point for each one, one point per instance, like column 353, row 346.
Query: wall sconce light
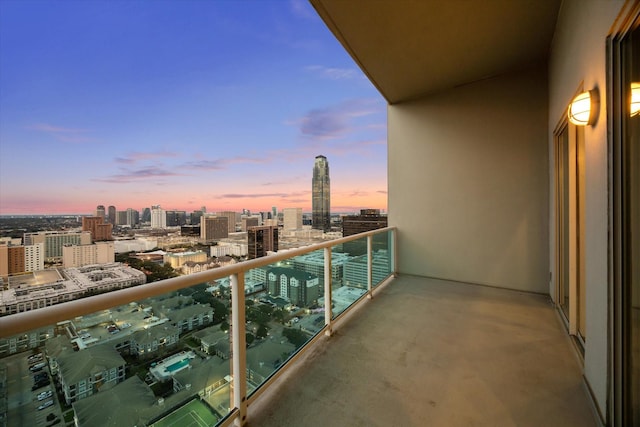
column 583, row 110
column 634, row 106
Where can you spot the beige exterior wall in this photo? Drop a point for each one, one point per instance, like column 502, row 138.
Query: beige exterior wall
column 578, row 59
column 81, row 255
column 468, row 182
column 292, row 218
column 34, row 257
column 4, row 261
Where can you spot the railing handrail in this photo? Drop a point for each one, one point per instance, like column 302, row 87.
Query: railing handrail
column 17, row 323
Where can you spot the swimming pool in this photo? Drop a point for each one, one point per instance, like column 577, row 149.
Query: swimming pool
column 177, row 365
column 164, row 369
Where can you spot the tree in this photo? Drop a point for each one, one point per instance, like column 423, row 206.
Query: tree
column 250, row 338
column 220, row 311
column 224, row 326
column 280, row 315
column 262, row 332
column 295, row 336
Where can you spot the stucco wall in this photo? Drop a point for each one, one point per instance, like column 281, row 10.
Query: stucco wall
column 468, row 182
column 578, row 56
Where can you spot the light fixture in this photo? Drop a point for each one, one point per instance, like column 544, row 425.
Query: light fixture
column 634, row 104
column 583, row 110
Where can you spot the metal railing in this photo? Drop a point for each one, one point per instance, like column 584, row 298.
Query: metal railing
column 30, row 320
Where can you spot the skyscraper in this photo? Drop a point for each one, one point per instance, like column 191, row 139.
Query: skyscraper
column 261, row 240
column 158, row 217
column 111, row 213
column 100, row 211
column 321, row 204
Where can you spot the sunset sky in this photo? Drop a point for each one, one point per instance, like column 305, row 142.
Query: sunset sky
column 223, row 104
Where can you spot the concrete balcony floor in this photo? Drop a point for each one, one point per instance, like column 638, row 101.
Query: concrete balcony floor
column 428, row 352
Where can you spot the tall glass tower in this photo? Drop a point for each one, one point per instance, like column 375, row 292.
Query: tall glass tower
column 321, row 200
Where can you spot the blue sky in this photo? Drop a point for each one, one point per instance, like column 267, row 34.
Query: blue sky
column 181, row 103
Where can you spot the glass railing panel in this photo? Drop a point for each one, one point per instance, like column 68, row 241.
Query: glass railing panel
column 171, row 354
column 349, row 265
column 284, row 310
column 168, row 355
column 381, row 264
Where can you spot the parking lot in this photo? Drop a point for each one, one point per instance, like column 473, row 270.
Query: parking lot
column 27, row 391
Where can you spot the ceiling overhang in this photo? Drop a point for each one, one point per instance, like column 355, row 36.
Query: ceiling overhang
column 412, row 48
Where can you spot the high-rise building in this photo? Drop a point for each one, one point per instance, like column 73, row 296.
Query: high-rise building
column 194, row 218
column 16, row 259
column 54, row 241
column 133, row 217
column 96, row 226
column 369, row 219
column 121, row 218
column 232, row 218
column 261, row 240
column 100, row 211
column 214, row 227
column 292, row 218
column 158, row 217
column 81, row 255
column 111, row 214
column 301, row 288
column 146, row 215
column 249, row 222
column 176, row 218
column 320, row 189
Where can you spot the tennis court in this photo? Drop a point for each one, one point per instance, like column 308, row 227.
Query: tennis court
column 193, row 414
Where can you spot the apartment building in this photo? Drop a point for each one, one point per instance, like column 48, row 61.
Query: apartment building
column 147, row 342
column 81, row 255
column 68, row 284
column 54, row 241
column 84, row 373
column 261, row 240
column 214, row 228
column 99, row 229
column 292, row 219
column 17, row 259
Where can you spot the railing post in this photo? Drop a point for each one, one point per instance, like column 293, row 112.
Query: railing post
column 369, row 267
column 239, row 348
column 327, row 291
column 394, row 251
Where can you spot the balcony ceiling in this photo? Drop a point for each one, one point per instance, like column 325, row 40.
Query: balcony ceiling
column 411, row 48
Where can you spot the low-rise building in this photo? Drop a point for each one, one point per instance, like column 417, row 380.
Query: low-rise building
column 23, row 342
column 84, row 373
column 215, row 341
column 183, row 313
column 147, row 342
column 177, row 259
column 69, row 284
column 191, row 317
column 131, row 402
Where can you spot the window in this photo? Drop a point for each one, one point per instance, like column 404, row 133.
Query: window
column 625, row 241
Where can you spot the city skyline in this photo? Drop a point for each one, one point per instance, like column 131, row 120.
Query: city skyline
column 181, row 104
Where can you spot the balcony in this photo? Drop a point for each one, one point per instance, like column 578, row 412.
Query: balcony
column 429, row 352
column 404, row 351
